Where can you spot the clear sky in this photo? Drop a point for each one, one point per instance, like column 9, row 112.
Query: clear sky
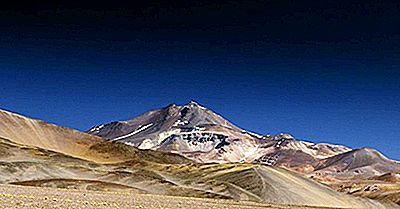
column 323, row 72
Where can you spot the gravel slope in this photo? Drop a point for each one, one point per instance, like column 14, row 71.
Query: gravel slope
column 34, row 197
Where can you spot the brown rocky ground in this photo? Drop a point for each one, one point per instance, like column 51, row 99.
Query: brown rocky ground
column 34, row 197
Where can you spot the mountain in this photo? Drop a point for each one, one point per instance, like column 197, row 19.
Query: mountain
column 364, row 163
column 204, row 136
column 31, row 132
column 36, row 153
column 150, row 130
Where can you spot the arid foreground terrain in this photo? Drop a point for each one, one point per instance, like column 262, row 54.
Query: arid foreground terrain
column 35, row 197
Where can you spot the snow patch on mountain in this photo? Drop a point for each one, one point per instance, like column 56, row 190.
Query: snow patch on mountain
column 147, row 144
column 252, row 134
column 195, row 104
column 96, row 128
column 283, row 136
column 163, row 135
column 180, row 123
column 142, row 128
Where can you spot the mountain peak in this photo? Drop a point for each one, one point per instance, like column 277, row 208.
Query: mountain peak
column 157, row 124
column 193, row 103
column 171, row 105
column 283, row 136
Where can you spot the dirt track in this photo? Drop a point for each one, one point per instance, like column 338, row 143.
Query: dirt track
column 36, row 197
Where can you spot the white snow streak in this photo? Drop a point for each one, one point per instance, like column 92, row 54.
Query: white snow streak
column 96, row 128
column 134, row 132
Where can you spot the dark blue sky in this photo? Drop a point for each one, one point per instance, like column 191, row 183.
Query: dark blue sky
column 323, row 72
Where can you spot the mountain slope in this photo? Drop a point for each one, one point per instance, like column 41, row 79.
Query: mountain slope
column 26, row 131
column 362, row 163
column 23, row 130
